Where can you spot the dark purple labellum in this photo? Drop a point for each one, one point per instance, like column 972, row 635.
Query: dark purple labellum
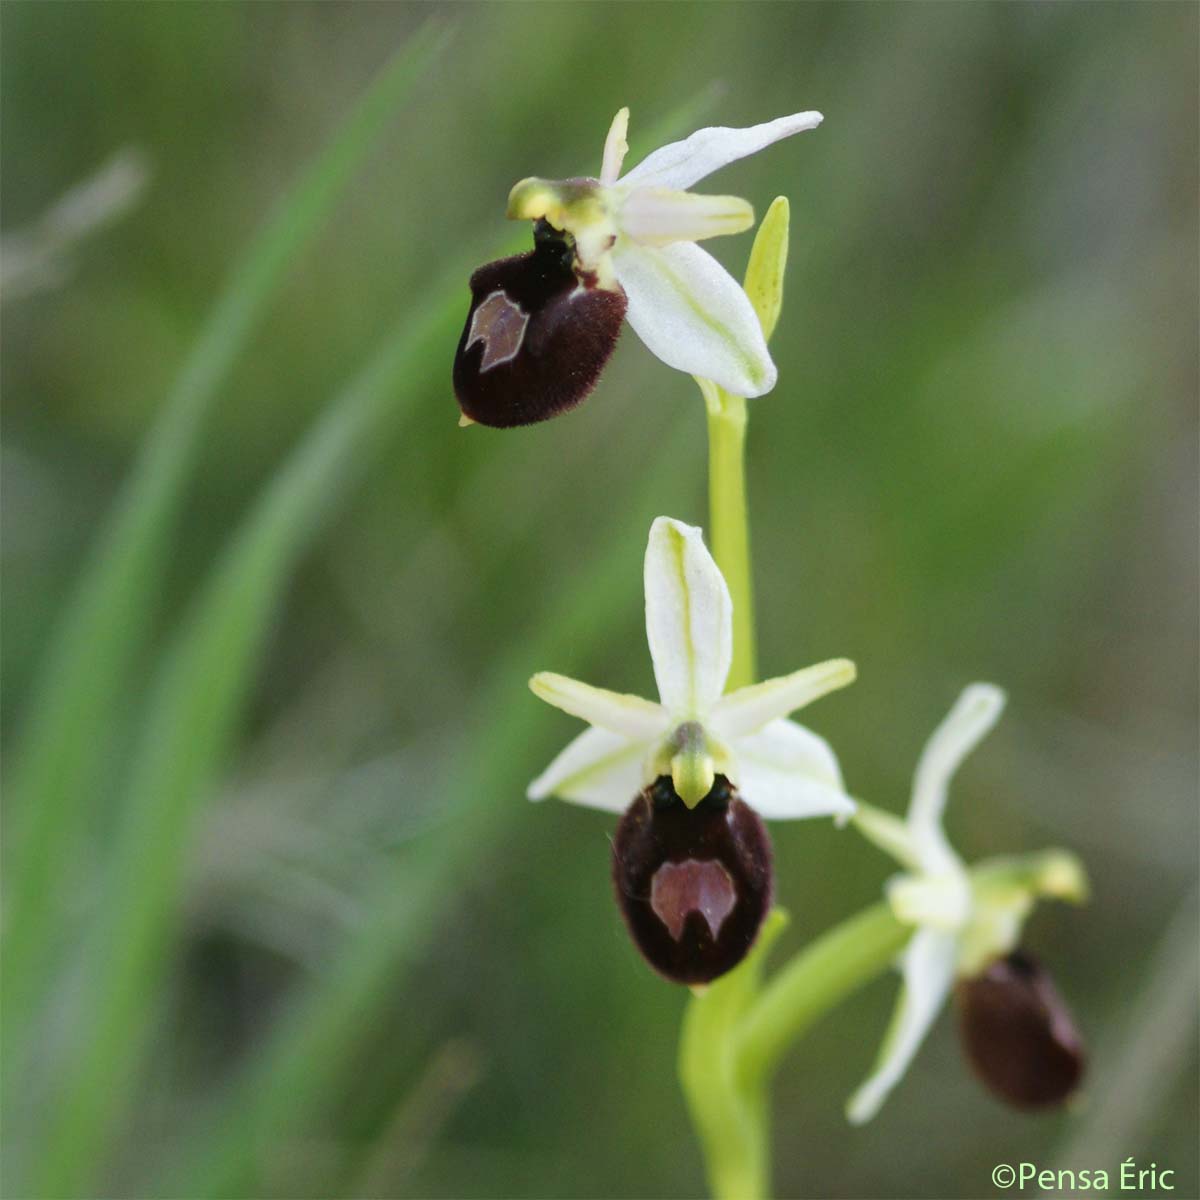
column 1019, row 1035
column 536, row 338
column 693, row 884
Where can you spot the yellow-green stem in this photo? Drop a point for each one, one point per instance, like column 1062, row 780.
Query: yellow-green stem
column 816, row 980
column 737, row 1031
column 729, row 522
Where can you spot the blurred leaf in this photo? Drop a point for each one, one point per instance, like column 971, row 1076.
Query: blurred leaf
column 107, row 621
column 192, row 712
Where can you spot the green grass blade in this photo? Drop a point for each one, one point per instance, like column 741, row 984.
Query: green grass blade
column 104, row 626
column 191, row 715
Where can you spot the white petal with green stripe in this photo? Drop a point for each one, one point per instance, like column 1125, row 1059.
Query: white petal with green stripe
column 689, row 619
column 787, row 772
column 928, row 969
column 693, row 315
column 598, row 769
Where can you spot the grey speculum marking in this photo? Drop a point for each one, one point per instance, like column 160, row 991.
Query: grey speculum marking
column 500, row 325
column 694, row 885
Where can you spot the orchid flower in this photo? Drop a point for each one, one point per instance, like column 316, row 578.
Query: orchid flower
column 694, row 732
column 965, row 921
column 695, row 772
column 542, row 325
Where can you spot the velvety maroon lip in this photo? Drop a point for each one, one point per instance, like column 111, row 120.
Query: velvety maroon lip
column 693, row 884
column 537, row 335
column 1018, row 1033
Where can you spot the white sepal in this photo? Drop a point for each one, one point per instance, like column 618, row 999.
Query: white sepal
column 689, row 619
column 693, row 315
column 974, row 714
column 752, row 707
column 629, row 716
column 787, row 772
column 927, row 966
column 681, row 164
column 598, row 769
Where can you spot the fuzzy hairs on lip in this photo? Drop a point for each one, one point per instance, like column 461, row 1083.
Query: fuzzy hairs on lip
column 536, row 338
column 693, row 884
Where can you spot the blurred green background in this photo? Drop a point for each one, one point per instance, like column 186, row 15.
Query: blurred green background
column 311, row 940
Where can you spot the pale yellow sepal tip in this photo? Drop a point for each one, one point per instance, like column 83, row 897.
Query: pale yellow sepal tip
column 464, row 421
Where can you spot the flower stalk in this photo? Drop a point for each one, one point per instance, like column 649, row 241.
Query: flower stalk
column 736, row 1031
column 816, row 980
column 729, row 524
column 729, row 514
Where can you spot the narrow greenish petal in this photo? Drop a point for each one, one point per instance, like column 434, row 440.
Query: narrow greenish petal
column 617, row 712
column 941, row 901
column 888, row 832
column 750, row 708
column 1056, row 874
column 616, row 146
column 1005, row 891
column 660, row 216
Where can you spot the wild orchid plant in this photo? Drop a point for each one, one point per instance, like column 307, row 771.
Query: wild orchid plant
column 694, row 773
